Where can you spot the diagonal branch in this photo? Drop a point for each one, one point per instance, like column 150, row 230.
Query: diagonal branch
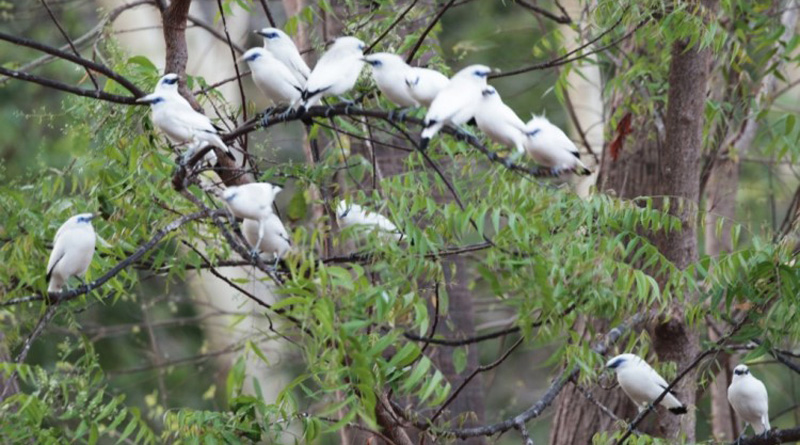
column 94, row 94
column 563, row 19
column 428, row 30
column 69, row 41
column 100, row 68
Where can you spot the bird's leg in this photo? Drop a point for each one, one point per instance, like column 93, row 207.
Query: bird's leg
column 739, row 439
column 463, row 132
column 401, row 113
column 256, row 252
column 347, row 104
column 265, row 117
column 286, row 113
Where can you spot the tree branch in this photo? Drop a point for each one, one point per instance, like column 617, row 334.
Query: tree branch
column 564, row 19
column 69, row 41
column 100, row 68
column 94, row 94
column 428, row 30
column 144, row 248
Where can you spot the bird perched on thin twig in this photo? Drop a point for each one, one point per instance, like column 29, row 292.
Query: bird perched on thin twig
column 748, row 397
column 73, row 249
column 253, row 201
column 275, row 241
column 456, row 103
column 642, row 383
column 173, row 115
column 500, row 123
column 353, row 215
column 549, row 146
column 283, row 48
column 336, row 72
column 274, row 79
column 402, row 84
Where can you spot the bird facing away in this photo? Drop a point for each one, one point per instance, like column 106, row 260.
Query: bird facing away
column 283, row 48
column 500, row 123
column 274, row 79
column 642, row 384
column 336, row 71
column 389, row 71
column 251, row 201
column 748, row 397
column 275, row 241
column 173, row 115
column 353, row 215
column 457, row 102
column 73, row 249
column 549, row 146
column 424, row 84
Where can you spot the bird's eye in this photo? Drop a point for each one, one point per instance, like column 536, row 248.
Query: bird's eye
column 272, row 35
column 377, row 63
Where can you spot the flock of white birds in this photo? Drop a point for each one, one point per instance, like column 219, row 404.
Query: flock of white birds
column 282, row 75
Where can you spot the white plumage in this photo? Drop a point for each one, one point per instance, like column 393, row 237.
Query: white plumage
column 173, row 115
column 499, row 122
column 336, row 71
column 749, row 399
column 549, row 146
column 283, row 48
column 389, row 71
column 642, row 384
column 424, row 84
column 253, row 201
column 273, row 78
column 353, row 215
column 275, row 241
column 73, row 249
column 457, row 102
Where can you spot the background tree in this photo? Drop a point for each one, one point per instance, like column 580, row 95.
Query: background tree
column 180, row 335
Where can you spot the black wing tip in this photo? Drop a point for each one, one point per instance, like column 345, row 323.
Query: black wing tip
column 230, row 155
column 423, row 143
column 678, row 410
column 583, row 171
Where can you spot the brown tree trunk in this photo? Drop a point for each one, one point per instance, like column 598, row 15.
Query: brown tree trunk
column 650, row 168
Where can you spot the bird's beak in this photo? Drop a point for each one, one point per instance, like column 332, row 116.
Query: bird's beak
column 240, row 59
column 92, row 216
column 258, row 32
column 364, row 59
column 146, row 99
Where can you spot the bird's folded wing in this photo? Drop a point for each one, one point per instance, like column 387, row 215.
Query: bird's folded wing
column 55, row 256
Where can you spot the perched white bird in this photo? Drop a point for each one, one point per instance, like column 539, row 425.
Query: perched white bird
column 273, row 78
column 173, row 115
column 549, row 146
column 253, row 201
column 336, row 71
column 275, row 241
column 500, row 123
column 424, row 84
column 351, row 215
column 457, row 102
column 389, row 71
column 748, row 397
column 283, row 48
column 642, row 383
column 73, row 249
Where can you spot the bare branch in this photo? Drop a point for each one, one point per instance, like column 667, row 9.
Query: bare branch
column 94, row 94
column 69, row 41
column 428, row 30
column 564, row 19
column 102, row 69
column 386, row 31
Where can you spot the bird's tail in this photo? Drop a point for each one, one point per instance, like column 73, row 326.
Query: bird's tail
column 678, row 410
column 581, row 169
column 217, row 142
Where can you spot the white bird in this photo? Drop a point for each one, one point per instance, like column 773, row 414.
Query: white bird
column 353, row 215
column 252, row 201
column 642, row 383
column 283, row 48
column 73, row 249
column 389, row 71
column 336, row 71
column 272, row 77
column 275, row 241
column 424, row 84
column 173, row 115
column 549, row 146
column 749, row 399
column 500, row 123
column 457, row 102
